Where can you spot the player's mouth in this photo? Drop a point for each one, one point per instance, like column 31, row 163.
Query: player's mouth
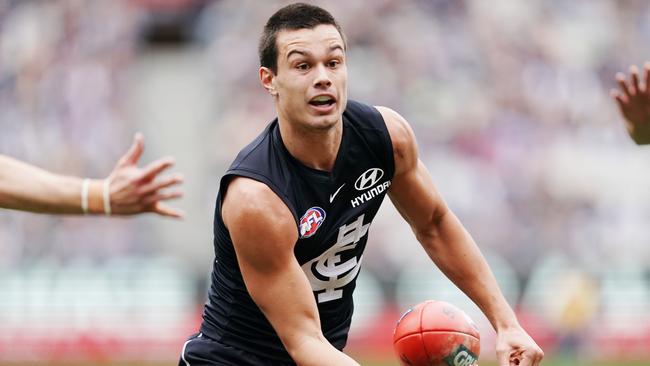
column 323, row 103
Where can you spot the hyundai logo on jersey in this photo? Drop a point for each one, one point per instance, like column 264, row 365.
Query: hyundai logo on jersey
column 311, row 221
column 368, row 179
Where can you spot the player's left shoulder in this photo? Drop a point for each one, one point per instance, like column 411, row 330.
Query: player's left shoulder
column 401, row 133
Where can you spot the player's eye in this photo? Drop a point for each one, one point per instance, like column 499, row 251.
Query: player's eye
column 333, row 63
column 302, row 66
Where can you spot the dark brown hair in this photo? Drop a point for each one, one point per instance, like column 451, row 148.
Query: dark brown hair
column 292, row 17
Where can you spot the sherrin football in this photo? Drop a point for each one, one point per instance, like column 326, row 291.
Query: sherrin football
column 436, row 333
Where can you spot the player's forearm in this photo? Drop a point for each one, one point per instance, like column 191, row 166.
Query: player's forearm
column 317, row 351
column 28, row 188
column 454, row 251
column 288, row 304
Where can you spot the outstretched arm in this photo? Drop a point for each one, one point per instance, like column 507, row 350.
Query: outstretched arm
column 450, row 246
column 128, row 189
column 264, row 233
column 633, row 101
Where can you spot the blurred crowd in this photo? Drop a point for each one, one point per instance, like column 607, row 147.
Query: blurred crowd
column 60, row 108
column 508, row 99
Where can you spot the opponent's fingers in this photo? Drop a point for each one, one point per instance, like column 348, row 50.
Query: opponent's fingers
column 161, row 184
column 634, row 80
column 620, row 78
column 166, row 210
column 621, row 100
column 154, row 168
column 161, row 196
column 646, row 67
column 135, row 151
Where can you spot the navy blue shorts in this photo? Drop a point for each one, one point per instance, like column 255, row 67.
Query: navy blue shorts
column 201, row 350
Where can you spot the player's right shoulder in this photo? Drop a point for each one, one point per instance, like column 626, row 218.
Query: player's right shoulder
column 250, row 201
column 261, row 226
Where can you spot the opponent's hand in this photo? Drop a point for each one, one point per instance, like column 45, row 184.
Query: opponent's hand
column 515, row 347
column 633, row 100
column 135, row 190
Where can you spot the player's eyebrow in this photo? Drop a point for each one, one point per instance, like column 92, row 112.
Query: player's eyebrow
column 337, row 47
column 307, row 53
column 300, row 52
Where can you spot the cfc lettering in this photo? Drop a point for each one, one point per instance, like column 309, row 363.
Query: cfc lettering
column 333, row 272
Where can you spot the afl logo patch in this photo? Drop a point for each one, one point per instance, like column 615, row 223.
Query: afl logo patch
column 311, row 221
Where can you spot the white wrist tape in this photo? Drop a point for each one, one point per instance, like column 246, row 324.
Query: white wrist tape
column 84, row 195
column 107, row 197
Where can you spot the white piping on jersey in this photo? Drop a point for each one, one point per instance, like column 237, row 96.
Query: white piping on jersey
column 185, row 346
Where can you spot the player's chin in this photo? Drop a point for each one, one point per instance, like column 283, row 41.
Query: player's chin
column 324, row 122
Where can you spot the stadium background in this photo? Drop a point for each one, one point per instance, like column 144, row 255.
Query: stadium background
column 509, row 102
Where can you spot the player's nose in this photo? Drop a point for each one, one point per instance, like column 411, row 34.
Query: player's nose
column 322, row 79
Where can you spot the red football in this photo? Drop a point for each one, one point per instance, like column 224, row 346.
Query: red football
column 436, row 333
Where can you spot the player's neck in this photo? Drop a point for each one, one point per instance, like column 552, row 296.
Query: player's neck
column 314, row 148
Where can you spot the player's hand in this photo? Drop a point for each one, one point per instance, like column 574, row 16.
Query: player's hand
column 135, row 190
column 633, row 100
column 516, row 347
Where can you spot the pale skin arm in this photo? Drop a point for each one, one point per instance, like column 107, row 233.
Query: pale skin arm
column 450, row 246
column 133, row 190
column 272, row 274
column 633, row 100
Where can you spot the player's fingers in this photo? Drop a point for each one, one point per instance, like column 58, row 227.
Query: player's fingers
column 154, row 168
column 539, row 357
column 536, row 361
column 135, row 151
column 503, row 358
column 161, row 184
column 165, row 210
column 529, row 358
column 634, row 80
column 620, row 78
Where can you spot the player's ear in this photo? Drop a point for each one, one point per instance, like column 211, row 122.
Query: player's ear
column 267, row 79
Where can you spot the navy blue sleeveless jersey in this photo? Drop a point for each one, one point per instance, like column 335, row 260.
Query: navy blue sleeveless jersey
column 333, row 211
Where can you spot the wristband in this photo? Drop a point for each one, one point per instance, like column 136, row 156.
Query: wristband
column 84, row 196
column 107, row 197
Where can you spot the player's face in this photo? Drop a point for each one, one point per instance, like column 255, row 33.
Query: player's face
column 311, row 78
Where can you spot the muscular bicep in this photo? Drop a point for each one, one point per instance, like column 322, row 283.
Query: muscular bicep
column 417, row 200
column 264, row 233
